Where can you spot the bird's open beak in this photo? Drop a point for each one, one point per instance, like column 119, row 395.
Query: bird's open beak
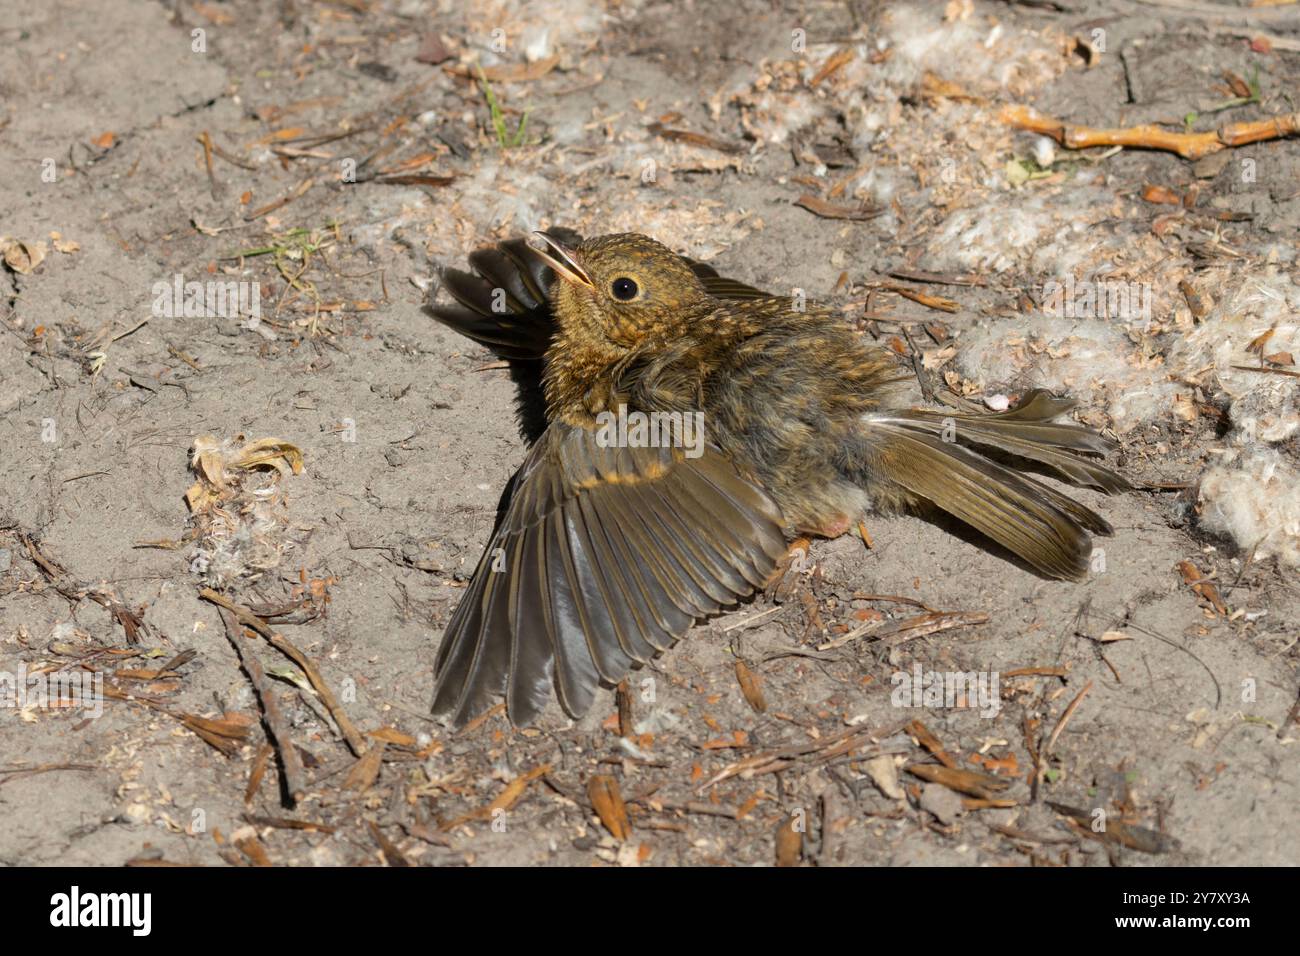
column 560, row 258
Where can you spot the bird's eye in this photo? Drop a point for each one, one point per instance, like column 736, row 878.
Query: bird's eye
column 624, row 289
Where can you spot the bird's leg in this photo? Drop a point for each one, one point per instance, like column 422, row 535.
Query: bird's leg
column 784, row 579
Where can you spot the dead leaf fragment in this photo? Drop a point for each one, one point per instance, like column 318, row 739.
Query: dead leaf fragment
column 828, row 210
column 507, row 72
column 213, row 14
column 1161, row 194
column 789, row 841
column 969, row 782
column 935, row 87
column 833, row 63
column 218, row 466
column 1202, row 586
column 22, row 257
column 515, row 789
column 365, row 771
column 65, row 246
column 608, row 803
column 750, row 687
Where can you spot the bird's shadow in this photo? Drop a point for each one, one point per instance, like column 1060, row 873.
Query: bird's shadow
column 530, row 400
column 937, row 518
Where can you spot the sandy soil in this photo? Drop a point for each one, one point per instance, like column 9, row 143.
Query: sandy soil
column 1153, row 700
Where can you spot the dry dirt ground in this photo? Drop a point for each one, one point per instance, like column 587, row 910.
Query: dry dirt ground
column 333, row 156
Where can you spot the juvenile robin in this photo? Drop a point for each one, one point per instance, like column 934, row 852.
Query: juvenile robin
column 614, row 540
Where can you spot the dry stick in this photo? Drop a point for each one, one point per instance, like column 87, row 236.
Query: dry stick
column 482, row 719
column 206, row 140
column 261, row 211
column 897, row 632
column 1025, row 837
column 1217, row 11
column 1186, row 145
column 926, row 738
column 1040, row 758
column 624, row 699
column 938, row 278
column 1292, row 714
column 1037, row 672
column 753, row 619
column 1267, row 371
column 356, row 743
column 392, row 852
column 74, row 590
column 893, row 598
column 17, row 773
column 918, row 366
column 1272, row 39
column 815, row 751
column 232, row 160
column 277, row 729
column 685, row 806
column 1065, row 719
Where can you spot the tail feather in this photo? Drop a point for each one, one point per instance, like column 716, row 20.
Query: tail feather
column 942, row 459
column 1042, row 526
column 1028, row 432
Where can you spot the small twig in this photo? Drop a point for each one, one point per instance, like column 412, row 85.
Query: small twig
column 261, row 211
column 16, row 773
column 939, row 278
column 206, row 140
column 276, row 727
column 1266, row 370
column 1186, row 145
column 1065, row 719
column 483, row 718
column 1292, row 715
column 624, row 699
column 754, row 619
column 356, row 743
column 135, row 328
column 816, row 752
column 896, row 632
column 685, row 806
column 131, row 620
column 918, row 366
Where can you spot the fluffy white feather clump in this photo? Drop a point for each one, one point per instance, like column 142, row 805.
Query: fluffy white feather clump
column 1264, row 407
column 1253, row 497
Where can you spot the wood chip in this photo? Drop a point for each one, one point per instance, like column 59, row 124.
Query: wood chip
column 828, row 210
column 1203, row 587
column 969, row 782
column 702, row 140
column 789, row 840
column 749, row 686
column 365, row 771
column 603, row 791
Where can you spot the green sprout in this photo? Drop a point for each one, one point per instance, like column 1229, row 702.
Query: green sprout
column 505, row 140
column 1255, row 96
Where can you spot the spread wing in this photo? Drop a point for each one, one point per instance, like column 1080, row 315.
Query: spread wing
column 605, row 557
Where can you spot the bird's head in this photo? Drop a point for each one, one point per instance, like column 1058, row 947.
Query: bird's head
column 620, row 288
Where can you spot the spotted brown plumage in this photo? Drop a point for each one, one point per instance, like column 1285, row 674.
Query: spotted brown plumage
column 604, row 555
